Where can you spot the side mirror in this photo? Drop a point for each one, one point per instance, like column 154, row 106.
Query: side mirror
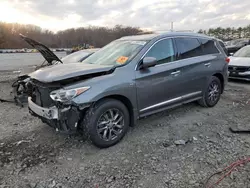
column 148, row 62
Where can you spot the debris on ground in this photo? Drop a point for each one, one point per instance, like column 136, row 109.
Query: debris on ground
column 195, row 139
column 180, row 142
column 34, row 155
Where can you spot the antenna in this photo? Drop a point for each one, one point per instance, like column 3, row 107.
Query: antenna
column 172, row 26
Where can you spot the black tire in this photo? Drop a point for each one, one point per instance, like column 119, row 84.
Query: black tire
column 93, row 116
column 206, row 100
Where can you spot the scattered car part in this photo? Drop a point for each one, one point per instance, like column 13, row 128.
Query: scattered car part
column 239, row 131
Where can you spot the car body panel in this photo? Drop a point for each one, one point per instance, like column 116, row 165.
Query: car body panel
column 158, row 84
column 65, row 71
column 44, row 50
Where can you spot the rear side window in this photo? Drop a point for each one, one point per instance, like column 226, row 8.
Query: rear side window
column 209, row 47
column 188, row 47
column 163, row 51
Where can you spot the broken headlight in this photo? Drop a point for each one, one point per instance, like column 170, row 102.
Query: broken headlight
column 64, row 95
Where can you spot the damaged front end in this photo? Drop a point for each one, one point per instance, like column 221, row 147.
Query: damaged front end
column 20, row 85
column 45, row 102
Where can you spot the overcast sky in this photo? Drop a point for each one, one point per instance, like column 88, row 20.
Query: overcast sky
column 150, row 14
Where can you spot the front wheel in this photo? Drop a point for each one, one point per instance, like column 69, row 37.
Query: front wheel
column 211, row 95
column 106, row 123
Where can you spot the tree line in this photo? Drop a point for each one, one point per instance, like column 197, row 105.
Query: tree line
column 229, row 33
column 92, row 35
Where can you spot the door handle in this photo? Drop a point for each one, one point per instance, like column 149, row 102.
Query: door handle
column 207, row 64
column 175, row 73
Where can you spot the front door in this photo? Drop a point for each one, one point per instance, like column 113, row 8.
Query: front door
column 161, row 85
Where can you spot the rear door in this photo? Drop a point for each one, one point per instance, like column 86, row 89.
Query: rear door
column 190, row 54
column 213, row 59
column 159, row 86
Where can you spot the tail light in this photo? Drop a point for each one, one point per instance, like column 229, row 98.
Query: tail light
column 227, row 59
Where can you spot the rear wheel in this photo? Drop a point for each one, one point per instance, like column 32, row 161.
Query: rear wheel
column 106, row 123
column 211, row 96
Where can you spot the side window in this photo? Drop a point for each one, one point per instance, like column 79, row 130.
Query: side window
column 163, row 51
column 208, row 47
column 188, row 47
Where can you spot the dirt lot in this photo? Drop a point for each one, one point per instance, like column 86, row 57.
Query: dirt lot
column 34, row 155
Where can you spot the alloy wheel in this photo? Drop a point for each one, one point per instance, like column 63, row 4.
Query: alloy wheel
column 110, row 124
column 213, row 92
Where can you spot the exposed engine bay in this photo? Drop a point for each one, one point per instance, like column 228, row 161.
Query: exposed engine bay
column 68, row 115
column 62, row 116
column 20, row 85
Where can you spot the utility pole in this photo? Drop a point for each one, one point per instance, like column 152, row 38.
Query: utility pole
column 172, row 26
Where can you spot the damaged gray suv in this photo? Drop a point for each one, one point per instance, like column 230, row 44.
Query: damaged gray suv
column 128, row 79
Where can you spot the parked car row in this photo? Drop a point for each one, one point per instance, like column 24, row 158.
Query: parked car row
column 234, row 45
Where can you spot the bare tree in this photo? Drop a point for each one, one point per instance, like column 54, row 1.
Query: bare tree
column 92, row 35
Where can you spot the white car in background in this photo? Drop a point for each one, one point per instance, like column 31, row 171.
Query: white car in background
column 239, row 66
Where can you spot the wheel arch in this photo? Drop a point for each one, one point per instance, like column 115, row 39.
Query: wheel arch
column 127, row 103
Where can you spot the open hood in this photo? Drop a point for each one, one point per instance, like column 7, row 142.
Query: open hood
column 44, row 50
column 65, row 71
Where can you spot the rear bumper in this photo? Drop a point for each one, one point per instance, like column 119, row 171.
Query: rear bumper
column 48, row 113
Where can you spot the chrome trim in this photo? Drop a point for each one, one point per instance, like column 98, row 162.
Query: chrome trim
column 171, row 100
column 207, row 64
column 239, row 78
column 176, row 72
column 215, row 44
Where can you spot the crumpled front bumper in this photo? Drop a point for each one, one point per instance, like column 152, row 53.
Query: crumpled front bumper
column 65, row 119
column 48, row 113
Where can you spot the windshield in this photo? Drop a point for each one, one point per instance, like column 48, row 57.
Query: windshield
column 116, row 53
column 75, row 57
column 243, row 52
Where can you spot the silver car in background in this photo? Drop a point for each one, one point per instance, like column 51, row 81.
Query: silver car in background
column 239, row 66
column 79, row 56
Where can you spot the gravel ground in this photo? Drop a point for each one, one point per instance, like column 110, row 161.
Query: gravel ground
column 33, row 155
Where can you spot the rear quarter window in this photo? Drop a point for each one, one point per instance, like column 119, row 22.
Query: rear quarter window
column 188, row 47
column 208, row 47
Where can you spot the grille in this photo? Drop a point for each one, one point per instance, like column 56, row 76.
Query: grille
column 41, row 94
column 238, row 69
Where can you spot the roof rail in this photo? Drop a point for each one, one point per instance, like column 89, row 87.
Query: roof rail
column 145, row 32
column 184, row 30
column 162, row 31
